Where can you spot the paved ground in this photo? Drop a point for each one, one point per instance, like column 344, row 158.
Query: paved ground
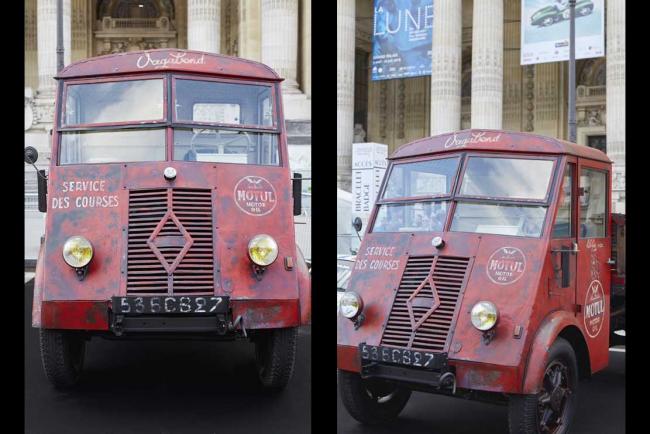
column 165, row 388
column 601, row 410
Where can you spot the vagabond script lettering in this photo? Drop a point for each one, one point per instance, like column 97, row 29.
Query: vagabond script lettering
column 173, row 59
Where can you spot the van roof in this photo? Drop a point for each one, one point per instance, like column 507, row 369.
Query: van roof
column 163, row 60
column 496, row 141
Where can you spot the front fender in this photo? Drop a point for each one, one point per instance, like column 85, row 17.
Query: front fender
column 537, row 359
column 38, row 289
column 304, row 288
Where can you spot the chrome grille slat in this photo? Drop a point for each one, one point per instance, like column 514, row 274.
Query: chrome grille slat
column 448, row 275
column 195, row 272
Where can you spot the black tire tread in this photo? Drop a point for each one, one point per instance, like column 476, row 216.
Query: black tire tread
column 282, row 347
column 56, row 358
column 361, row 407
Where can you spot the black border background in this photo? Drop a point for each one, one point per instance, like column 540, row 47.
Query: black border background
column 324, row 77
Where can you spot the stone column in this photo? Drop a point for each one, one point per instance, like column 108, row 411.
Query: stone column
column 46, row 43
column 446, row 66
column 487, row 64
column 203, row 25
column 280, row 40
column 280, row 51
column 345, row 44
column 616, row 99
column 249, row 30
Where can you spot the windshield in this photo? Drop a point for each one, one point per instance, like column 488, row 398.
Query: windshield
column 426, row 178
column 199, row 101
column 497, row 195
column 117, row 101
column 507, row 178
column 126, row 121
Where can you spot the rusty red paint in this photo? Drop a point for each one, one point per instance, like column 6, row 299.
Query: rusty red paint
column 527, row 296
column 281, row 298
column 75, row 315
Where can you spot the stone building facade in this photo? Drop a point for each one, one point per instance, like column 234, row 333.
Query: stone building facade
column 477, row 82
column 275, row 32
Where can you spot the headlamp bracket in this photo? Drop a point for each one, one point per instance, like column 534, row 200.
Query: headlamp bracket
column 81, row 272
column 258, row 271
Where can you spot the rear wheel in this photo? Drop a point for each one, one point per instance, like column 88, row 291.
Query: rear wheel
column 371, row 401
column 275, row 354
column 62, row 354
column 551, row 410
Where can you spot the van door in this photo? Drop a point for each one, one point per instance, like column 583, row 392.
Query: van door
column 593, row 282
column 564, row 242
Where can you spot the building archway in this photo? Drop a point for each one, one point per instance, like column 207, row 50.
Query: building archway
column 131, row 25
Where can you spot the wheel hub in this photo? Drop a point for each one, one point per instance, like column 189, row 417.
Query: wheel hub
column 554, row 397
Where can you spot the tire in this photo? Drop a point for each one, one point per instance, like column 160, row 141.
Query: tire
column 371, row 402
column 62, row 354
column 275, row 355
column 526, row 412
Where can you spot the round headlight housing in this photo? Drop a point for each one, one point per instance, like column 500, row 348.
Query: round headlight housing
column 484, row 315
column 77, row 251
column 263, row 250
column 350, row 304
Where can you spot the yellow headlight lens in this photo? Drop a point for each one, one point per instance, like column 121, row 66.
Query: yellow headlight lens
column 350, row 304
column 77, row 251
column 263, row 250
column 484, row 315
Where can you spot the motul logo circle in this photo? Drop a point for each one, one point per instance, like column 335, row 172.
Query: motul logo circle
column 594, row 312
column 255, row 196
column 506, row 265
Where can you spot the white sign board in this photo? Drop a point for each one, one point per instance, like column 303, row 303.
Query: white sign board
column 368, row 168
column 545, row 30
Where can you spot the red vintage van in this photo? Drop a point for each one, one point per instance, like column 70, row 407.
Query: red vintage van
column 169, row 210
column 484, row 274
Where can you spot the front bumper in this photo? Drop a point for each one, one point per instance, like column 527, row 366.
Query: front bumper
column 98, row 316
column 470, row 375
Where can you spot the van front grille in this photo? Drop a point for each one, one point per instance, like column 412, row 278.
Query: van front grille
column 170, row 242
column 422, row 314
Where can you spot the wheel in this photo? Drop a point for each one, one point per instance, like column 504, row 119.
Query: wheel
column 371, row 401
column 62, row 354
column 547, row 21
column 275, row 354
column 552, row 409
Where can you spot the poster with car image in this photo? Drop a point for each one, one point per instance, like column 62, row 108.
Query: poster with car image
column 401, row 39
column 545, row 30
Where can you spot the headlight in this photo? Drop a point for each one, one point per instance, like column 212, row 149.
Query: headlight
column 350, row 304
column 77, row 251
column 484, row 315
column 263, row 250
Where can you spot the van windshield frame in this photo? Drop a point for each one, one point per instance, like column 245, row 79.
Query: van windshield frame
column 168, row 123
column 455, row 198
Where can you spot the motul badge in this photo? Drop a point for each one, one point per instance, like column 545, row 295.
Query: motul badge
column 594, row 309
column 506, row 265
column 255, row 196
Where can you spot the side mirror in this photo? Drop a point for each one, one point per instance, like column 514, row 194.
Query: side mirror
column 357, row 224
column 31, row 155
column 297, row 193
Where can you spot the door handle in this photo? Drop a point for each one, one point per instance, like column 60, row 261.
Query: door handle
column 611, row 261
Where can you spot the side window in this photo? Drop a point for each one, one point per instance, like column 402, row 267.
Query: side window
column 593, row 203
column 563, row 227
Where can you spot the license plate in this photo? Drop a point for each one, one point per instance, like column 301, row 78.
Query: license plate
column 399, row 356
column 199, row 305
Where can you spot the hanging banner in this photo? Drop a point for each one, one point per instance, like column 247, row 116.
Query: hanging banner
column 545, row 30
column 401, row 38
